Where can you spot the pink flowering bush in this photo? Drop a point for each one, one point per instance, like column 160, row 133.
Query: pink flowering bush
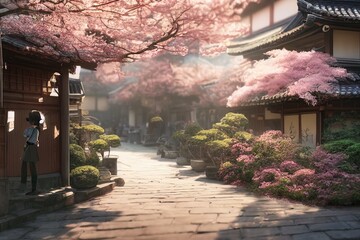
column 289, row 166
column 273, row 165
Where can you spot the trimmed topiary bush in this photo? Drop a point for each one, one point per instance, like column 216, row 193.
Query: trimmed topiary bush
column 77, row 156
column 92, row 159
column 112, row 141
column 84, row 177
column 99, row 145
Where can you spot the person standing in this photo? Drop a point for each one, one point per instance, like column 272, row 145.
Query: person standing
column 30, row 155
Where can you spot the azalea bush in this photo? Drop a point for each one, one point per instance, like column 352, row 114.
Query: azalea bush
column 274, row 165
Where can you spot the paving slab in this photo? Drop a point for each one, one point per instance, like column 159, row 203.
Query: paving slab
column 161, row 200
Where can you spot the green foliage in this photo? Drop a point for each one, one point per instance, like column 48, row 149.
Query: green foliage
column 354, row 154
column 342, row 125
column 180, row 136
column 92, row 128
column 237, row 120
column 243, row 136
column 219, row 150
column 92, row 159
column 231, row 123
column 99, row 145
column 156, row 119
column 349, row 147
column 112, row 140
column 197, row 140
column 192, row 129
column 272, row 147
column 73, row 138
column 212, row 134
column 77, row 156
column 338, row 145
column 84, row 177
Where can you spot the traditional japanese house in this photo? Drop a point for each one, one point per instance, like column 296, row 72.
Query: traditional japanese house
column 331, row 27
column 31, row 79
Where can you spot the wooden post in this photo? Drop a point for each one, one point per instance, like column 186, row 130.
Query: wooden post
column 64, row 126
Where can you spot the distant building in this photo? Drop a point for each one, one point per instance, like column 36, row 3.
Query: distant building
column 331, row 27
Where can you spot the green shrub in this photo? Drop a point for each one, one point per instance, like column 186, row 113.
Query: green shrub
column 99, row 145
column 231, row 123
column 219, row 150
column 84, row 177
column 243, row 136
column 77, row 156
column 112, row 140
column 212, row 134
column 237, row 120
column 92, row 128
column 92, row 159
column 156, row 119
column 354, row 154
column 192, row 129
column 338, row 145
column 180, row 136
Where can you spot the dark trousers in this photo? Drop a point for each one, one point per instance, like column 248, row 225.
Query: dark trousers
column 33, row 174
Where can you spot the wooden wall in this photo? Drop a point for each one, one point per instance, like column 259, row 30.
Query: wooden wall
column 27, row 88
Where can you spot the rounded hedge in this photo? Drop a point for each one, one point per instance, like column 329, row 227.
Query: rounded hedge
column 77, row 156
column 92, row 159
column 84, row 177
column 99, row 145
column 112, row 140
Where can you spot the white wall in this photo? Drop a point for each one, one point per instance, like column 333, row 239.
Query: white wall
column 284, row 9
column 260, row 19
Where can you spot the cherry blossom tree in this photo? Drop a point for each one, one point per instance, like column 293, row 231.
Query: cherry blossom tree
column 188, row 76
column 301, row 74
column 105, row 31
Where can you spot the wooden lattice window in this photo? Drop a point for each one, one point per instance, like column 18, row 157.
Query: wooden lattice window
column 27, row 80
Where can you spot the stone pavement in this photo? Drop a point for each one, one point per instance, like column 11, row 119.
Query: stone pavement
column 161, row 200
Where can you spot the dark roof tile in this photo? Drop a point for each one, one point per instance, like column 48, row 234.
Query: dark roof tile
column 339, row 9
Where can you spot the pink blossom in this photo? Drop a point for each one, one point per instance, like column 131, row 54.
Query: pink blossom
column 296, row 73
column 267, row 175
column 246, row 159
column 88, row 31
column 289, row 166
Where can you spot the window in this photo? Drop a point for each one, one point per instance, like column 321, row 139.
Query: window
column 272, row 13
column 301, row 128
column 346, row 44
column 11, row 120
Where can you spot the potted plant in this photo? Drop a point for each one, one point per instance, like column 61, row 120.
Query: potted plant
column 110, row 161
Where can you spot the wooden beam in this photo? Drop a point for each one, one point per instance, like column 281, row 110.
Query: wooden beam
column 64, row 126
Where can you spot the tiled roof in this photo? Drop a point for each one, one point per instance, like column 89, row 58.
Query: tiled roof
column 75, row 88
column 279, row 37
column 338, row 9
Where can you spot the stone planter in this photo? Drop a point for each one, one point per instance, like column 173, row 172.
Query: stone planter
column 198, row 165
column 211, row 172
column 105, row 174
column 111, row 164
column 181, row 161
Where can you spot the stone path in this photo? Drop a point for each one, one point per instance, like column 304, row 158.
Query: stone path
column 161, row 200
